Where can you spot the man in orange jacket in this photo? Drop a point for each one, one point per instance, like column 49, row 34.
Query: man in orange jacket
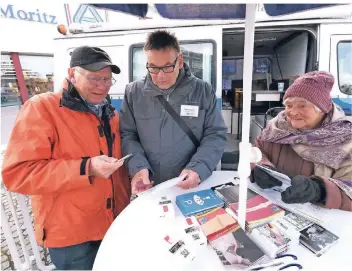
column 63, row 152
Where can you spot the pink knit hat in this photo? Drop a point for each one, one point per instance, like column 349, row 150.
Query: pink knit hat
column 315, row 87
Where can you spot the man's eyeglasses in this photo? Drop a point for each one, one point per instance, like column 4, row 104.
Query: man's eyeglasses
column 97, row 80
column 166, row 69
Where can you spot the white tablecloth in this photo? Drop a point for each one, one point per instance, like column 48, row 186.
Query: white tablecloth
column 135, row 239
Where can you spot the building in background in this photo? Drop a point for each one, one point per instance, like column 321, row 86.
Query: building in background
column 27, row 31
column 27, row 63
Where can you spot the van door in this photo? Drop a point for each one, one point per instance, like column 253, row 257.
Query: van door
column 336, row 57
column 341, row 62
column 341, row 68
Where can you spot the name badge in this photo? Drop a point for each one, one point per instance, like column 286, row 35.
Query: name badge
column 189, row 110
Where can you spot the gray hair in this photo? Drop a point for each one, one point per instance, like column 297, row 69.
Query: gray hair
column 292, row 99
column 78, row 68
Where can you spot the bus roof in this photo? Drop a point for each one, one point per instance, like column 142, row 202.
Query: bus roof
column 338, row 13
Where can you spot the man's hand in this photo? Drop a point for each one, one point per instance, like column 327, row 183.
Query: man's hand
column 304, row 189
column 140, row 182
column 192, row 179
column 103, row 166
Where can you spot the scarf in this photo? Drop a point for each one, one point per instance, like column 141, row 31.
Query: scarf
column 329, row 144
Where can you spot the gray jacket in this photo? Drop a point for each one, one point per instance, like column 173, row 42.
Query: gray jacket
column 156, row 140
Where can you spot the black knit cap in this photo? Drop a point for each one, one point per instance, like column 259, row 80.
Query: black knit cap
column 92, row 59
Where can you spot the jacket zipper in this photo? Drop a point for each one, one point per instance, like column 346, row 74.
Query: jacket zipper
column 167, row 97
column 110, row 152
column 113, row 199
column 108, row 138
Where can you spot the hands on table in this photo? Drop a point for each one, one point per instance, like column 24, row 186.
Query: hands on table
column 192, row 179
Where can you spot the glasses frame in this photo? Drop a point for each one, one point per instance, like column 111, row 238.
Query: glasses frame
column 163, row 67
column 97, row 80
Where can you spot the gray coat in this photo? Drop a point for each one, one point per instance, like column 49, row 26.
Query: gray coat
column 156, row 140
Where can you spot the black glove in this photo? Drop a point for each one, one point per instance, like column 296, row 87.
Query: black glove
column 304, row 189
column 263, row 179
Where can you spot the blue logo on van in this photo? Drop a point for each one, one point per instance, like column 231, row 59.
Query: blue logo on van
column 87, row 14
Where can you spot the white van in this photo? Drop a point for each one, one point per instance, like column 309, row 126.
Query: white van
column 283, row 50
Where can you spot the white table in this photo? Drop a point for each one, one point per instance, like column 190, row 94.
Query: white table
column 135, row 239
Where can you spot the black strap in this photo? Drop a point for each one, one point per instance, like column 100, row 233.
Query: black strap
column 178, row 120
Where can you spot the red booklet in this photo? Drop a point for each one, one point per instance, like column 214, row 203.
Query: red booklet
column 259, row 210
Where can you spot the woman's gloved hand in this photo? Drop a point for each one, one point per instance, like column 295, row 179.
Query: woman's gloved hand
column 304, row 189
column 263, row 179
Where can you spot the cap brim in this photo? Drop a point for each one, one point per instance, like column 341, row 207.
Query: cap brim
column 101, row 65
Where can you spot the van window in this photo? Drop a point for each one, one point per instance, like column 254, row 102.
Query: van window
column 198, row 56
column 139, row 61
column 344, row 66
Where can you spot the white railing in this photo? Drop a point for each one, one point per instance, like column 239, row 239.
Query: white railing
column 30, row 253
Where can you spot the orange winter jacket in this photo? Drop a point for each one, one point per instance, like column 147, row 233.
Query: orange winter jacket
column 48, row 157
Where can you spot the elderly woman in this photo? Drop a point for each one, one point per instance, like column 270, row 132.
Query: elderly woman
column 310, row 141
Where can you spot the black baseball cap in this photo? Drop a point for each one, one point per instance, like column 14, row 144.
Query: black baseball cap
column 92, row 59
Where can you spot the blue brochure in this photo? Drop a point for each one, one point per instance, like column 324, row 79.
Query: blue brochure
column 199, row 202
